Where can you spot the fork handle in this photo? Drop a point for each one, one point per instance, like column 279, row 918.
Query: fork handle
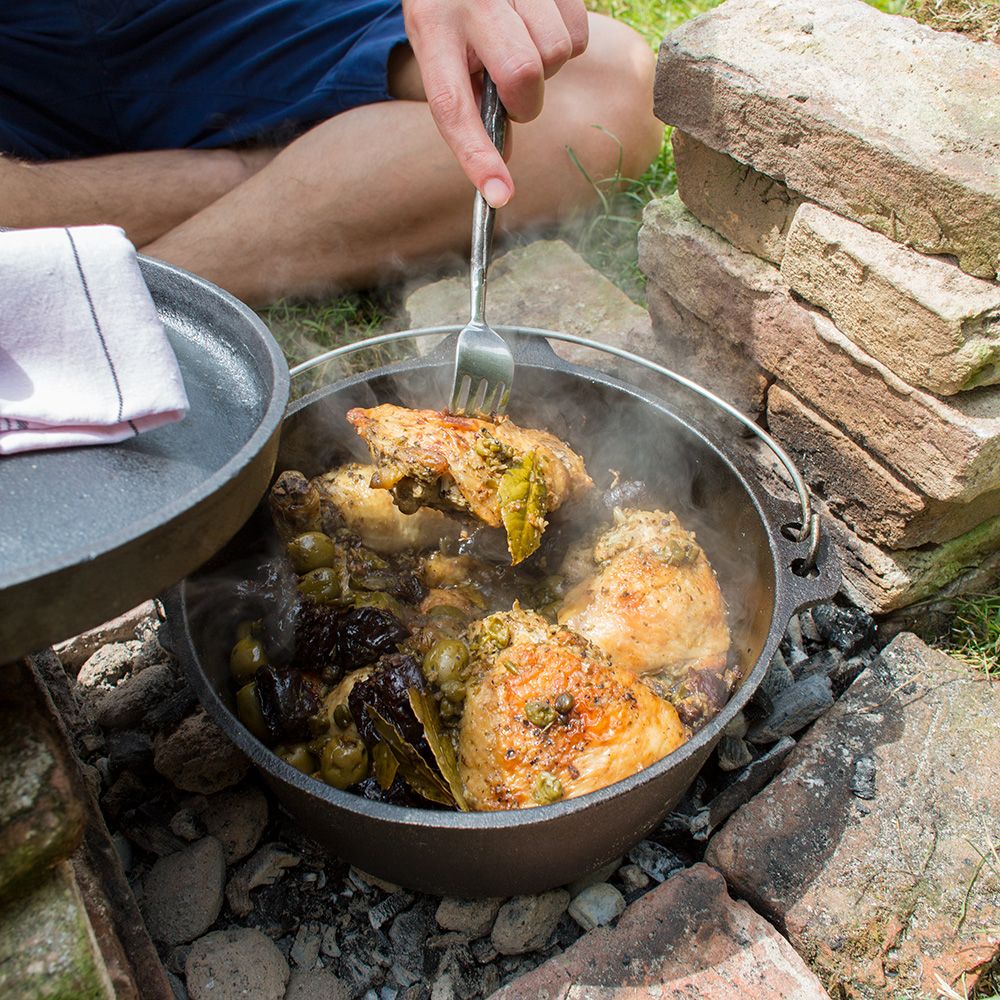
column 494, row 116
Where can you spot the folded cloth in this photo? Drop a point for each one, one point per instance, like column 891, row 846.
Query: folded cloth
column 84, row 358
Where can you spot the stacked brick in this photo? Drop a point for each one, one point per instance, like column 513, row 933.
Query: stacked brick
column 830, row 264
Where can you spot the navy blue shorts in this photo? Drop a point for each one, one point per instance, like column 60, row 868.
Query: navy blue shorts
column 86, row 77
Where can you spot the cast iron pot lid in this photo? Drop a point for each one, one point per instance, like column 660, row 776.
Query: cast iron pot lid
column 87, row 533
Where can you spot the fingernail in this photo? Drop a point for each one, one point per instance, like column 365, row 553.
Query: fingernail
column 496, row 192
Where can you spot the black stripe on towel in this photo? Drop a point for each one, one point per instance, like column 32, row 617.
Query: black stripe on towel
column 97, row 325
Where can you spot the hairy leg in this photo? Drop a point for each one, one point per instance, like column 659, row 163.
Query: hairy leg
column 146, row 193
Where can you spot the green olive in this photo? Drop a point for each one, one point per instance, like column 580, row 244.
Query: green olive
column 247, row 656
column 342, row 716
column 344, row 762
column 319, row 724
column 448, row 610
column 250, row 629
column 298, row 755
column 321, row 584
column 311, row 550
column 249, row 710
column 446, row 661
column 548, row 788
column 379, row 599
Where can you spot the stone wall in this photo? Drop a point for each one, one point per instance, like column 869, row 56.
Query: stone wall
column 830, row 262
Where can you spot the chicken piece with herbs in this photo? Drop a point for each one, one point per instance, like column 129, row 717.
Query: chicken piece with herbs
column 547, row 716
column 653, row 604
column 491, row 470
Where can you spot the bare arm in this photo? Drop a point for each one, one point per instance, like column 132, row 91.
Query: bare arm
column 521, row 47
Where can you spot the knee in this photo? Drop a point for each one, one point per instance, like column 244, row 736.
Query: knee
column 612, row 87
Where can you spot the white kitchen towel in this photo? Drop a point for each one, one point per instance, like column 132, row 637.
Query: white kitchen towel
column 84, row 358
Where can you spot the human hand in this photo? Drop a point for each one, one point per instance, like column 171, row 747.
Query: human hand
column 453, row 40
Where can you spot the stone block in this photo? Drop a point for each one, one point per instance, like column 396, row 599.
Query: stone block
column 42, row 816
column 861, row 492
column 947, row 449
column 545, row 285
column 753, row 211
column 685, row 938
column 874, row 848
column 47, row 947
column 932, row 324
column 848, row 106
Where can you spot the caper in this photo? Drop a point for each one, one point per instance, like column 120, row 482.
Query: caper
column 311, row 550
column 447, row 709
column 497, row 631
column 298, row 755
column 319, row 724
column 249, row 710
column 246, row 657
column 540, row 713
column 344, row 762
column 548, row 788
column 564, row 703
column 445, row 661
column 342, row 716
column 321, row 584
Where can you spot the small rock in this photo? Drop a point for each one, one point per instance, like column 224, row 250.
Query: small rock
column 633, row 878
column 185, row 824
column 316, row 984
column 328, row 944
column 263, row 868
column 525, row 923
column 305, row 947
column 110, row 664
column 596, row 906
column 863, row 779
column 197, row 756
column 473, row 917
column 237, row 817
column 182, row 893
column 239, row 963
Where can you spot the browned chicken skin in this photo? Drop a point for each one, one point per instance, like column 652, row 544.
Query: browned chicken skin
column 434, row 459
column 510, row 758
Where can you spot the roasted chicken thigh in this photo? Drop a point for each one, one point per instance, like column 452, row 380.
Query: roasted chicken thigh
column 491, row 470
column 547, row 716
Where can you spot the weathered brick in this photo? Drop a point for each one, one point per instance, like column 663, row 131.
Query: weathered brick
column 881, row 894
column 932, row 324
column 847, row 106
column 860, row 491
column 753, row 211
column 948, row 449
column 686, row 938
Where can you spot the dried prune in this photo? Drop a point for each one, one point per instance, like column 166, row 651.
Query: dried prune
column 287, row 699
column 386, row 692
column 316, row 632
column 364, row 634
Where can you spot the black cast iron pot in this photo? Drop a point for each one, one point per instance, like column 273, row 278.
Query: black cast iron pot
column 766, row 575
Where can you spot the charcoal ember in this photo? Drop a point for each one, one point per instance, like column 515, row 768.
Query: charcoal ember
column 365, row 634
column 863, row 779
column 849, row 629
column 733, row 753
column 825, row 661
column 128, row 749
column 654, row 859
column 316, row 631
column 778, row 677
column 386, row 691
column 848, row 672
column 287, row 699
column 802, row 703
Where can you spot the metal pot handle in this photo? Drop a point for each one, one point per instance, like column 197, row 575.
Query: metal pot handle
column 809, row 525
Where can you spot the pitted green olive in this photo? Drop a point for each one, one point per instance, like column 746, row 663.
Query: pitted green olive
column 311, row 550
column 298, row 755
column 342, row 716
column 249, row 710
column 344, row 762
column 321, row 584
column 445, row 662
column 247, row 656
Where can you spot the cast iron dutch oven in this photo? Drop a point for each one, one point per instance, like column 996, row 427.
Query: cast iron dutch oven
column 750, row 539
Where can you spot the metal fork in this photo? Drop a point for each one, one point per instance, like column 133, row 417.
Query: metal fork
column 484, row 366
